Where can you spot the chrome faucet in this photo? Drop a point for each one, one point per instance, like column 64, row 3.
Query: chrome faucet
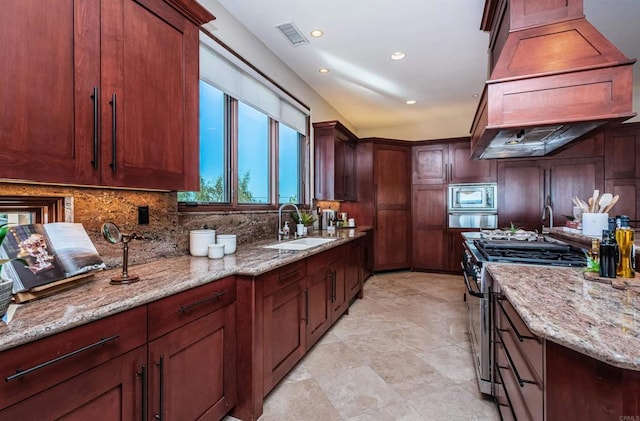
column 280, row 232
column 544, row 215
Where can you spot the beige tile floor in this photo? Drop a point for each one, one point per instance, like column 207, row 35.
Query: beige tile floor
column 402, row 353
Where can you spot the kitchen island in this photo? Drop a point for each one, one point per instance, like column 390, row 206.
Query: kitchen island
column 565, row 347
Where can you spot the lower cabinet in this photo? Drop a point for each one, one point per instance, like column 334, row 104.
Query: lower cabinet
column 355, row 268
column 110, row 391
column 173, row 359
column 537, row 379
column 94, row 371
column 191, row 353
column 329, row 285
column 284, row 312
column 284, row 324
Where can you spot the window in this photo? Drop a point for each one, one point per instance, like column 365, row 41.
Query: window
column 253, row 156
column 253, row 144
column 290, row 164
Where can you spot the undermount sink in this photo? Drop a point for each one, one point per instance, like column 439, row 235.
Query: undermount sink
column 300, row 244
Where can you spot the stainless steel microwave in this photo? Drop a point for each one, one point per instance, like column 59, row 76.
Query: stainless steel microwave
column 473, row 197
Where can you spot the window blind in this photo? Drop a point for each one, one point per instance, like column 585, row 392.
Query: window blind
column 229, row 74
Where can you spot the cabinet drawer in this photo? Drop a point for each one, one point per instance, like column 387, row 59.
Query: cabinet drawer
column 49, row 361
column 281, row 277
column 319, row 261
column 519, row 406
column 528, row 345
column 172, row 312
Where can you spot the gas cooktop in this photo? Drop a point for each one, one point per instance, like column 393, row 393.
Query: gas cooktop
column 533, row 252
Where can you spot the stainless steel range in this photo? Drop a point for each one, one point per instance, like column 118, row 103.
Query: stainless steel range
column 498, row 246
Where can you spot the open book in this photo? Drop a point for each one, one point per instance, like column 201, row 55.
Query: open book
column 51, row 251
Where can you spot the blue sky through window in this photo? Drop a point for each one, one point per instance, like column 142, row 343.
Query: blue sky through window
column 253, row 152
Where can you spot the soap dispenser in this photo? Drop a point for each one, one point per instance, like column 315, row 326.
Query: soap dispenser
column 285, row 231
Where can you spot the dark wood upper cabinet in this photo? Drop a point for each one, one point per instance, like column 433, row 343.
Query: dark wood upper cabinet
column 526, row 186
column 448, row 162
column 622, row 152
column 465, row 170
column 118, row 102
column 335, row 161
column 431, row 164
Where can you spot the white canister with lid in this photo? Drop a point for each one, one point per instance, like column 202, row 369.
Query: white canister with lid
column 199, row 241
column 229, row 241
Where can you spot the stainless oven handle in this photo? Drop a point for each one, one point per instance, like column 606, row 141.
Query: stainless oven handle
column 468, row 284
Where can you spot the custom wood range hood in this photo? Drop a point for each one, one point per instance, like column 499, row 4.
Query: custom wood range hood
column 553, row 79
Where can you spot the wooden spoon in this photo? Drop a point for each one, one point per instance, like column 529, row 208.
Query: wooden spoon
column 590, row 208
column 605, row 200
column 594, row 200
column 613, row 202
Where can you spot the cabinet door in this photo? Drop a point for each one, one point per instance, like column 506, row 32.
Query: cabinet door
column 192, row 369
column 464, row 170
column 568, row 178
column 350, row 192
column 430, row 249
column 520, row 194
column 284, row 332
column 355, row 269
column 456, row 249
column 629, row 197
column 392, row 192
column 391, row 240
column 345, row 169
column 622, row 152
column 149, row 96
column 318, row 300
column 431, row 164
column 51, row 64
column 339, row 301
column 110, row 391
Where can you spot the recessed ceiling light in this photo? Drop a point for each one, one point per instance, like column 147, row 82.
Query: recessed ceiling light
column 316, row 33
column 323, row 70
column 397, row 55
column 411, row 102
column 475, row 96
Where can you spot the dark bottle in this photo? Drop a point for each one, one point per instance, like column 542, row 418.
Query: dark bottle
column 608, row 255
column 613, row 225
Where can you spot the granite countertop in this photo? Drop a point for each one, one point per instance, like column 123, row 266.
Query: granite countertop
column 97, row 298
column 589, row 317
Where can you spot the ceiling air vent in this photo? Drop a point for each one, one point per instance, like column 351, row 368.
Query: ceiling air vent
column 292, row 33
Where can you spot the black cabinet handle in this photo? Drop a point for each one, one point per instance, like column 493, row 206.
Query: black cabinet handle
column 22, row 373
column 306, row 306
column 96, row 101
column 114, row 132
column 160, row 365
column 500, row 367
column 521, row 338
column 332, row 275
column 520, row 380
column 214, row 297
column 143, row 375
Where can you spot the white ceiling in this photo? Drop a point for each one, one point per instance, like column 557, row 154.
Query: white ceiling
column 445, row 64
